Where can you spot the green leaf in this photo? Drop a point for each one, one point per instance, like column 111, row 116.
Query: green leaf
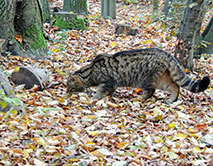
column 172, row 33
column 134, row 147
column 172, row 155
column 119, row 163
column 163, row 25
column 3, row 104
column 193, row 4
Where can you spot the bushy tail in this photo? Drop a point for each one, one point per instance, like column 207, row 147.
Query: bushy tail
column 200, row 85
column 182, row 79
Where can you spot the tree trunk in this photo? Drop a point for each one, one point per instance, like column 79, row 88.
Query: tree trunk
column 77, row 6
column 207, row 36
column 7, row 30
column 45, row 11
column 167, row 6
column 108, row 8
column 22, row 27
column 187, row 32
column 173, row 9
column 155, row 9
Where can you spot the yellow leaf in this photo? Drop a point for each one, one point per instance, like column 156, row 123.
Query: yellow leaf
column 91, row 117
column 113, row 44
column 41, row 141
column 158, row 140
column 191, row 130
column 55, row 50
column 89, row 142
column 181, row 135
column 111, row 105
column 186, row 70
column 11, row 127
column 61, row 100
column 197, row 149
column 77, row 132
column 90, row 145
column 164, row 149
column 93, row 133
column 17, row 69
column 57, row 58
column 14, row 112
column 73, row 160
column 195, row 136
column 122, row 144
column 171, row 125
column 27, row 151
column 97, row 154
column 130, row 18
column 149, row 41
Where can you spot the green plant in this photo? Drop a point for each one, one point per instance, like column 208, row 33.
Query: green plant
column 14, row 102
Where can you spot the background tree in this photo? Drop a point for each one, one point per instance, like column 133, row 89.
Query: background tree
column 187, row 33
column 77, row 6
column 22, row 27
column 173, row 9
column 205, row 40
column 108, row 8
column 155, row 9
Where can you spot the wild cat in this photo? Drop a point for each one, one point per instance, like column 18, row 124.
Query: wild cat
column 148, row 69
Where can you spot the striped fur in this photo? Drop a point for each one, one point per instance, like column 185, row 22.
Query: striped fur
column 148, row 69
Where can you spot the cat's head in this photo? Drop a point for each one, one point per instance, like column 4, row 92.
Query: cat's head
column 75, row 84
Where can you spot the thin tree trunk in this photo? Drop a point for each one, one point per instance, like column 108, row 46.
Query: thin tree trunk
column 186, row 36
column 207, row 36
column 45, row 11
column 108, row 8
column 77, row 6
column 155, row 9
column 173, row 9
column 166, row 7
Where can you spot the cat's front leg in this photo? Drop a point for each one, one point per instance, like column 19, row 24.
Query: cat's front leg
column 105, row 89
column 147, row 93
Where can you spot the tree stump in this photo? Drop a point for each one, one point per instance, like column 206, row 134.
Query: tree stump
column 31, row 76
column 67, row 20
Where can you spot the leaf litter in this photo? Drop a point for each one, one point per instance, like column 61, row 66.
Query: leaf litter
column 120, row 130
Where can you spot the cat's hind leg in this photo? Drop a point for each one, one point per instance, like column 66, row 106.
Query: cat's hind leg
column 166, row 83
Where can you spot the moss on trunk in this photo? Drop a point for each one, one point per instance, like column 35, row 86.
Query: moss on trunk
column 33, row 38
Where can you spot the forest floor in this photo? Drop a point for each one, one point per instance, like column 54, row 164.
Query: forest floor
column 115, row 131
